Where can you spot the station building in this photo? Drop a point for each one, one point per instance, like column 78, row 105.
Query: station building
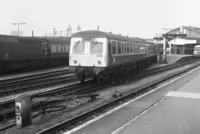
column 182, row 40
column 184, row 44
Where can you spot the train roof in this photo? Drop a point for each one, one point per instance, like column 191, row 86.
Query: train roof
column 55, row 38
column 101, row 34
column 16, row 39
column 49, row 39
column 8, row 39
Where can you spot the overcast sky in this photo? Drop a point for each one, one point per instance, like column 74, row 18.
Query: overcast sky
column 138, row 18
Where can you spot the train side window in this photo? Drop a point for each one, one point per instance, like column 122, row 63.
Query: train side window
column 66, row 48
column 59, row 48
column 53, row 48
column 125, row 51
column 136, row 47
column 132, row 45
column 114, row 50
column 131, row 48
column 122, row 45
column 63, row 48
column 143, row 48
column 139, row 48
column 127, row 48
column 119, row 47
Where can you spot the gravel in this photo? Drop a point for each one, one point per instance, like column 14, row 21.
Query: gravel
column 105, row 95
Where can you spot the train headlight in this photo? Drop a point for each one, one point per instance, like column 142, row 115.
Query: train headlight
column 75, row 61
column 99, row 62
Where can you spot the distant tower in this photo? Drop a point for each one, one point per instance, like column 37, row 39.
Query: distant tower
column 78, row 28
column 54, row 32
column 69, row 31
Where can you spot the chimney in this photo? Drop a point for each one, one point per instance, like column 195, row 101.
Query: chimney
column 32, row 33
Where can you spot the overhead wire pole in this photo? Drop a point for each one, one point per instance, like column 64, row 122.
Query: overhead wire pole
column 164, row 60
column 18, row 26
column 165, row 38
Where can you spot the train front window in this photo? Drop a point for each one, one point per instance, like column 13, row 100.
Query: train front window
column 79, row 47
column 96, row 47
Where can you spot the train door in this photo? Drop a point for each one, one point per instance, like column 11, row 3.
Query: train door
column 44, row 49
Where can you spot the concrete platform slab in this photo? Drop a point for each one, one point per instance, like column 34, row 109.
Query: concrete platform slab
column 177, row 113
column 171, row 58
column 172, row 116
column 124, row 119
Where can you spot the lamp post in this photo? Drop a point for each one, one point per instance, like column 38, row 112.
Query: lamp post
column 18, row 25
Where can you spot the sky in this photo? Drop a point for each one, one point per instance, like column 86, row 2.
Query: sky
column 135, row 18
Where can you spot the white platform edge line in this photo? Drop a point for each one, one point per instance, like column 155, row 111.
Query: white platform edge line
column 170, row 94
column 136, row 117
column 180, row 94
column 117, row 108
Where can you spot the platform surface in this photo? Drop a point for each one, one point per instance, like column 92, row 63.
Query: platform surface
column 174, row 115
column 171, row 58
column 170, row 109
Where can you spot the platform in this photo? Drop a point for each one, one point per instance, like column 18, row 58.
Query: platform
column 177, row 113
column 173, row 108
column 171, row 58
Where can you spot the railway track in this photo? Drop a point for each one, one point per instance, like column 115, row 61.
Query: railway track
column 65, row 125
column 35, row 82
column 78, row 90
column 19, row 80
column 65, row 91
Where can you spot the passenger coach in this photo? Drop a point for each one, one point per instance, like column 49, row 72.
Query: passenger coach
column 100, row 54
column 197, row 51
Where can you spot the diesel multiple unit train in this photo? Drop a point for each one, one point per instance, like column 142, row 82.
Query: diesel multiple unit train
column 100, row 54
column 89, row 53
column 197, row 51
column 29, row 52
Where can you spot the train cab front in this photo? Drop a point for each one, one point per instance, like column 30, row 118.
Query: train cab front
column 87, row 56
